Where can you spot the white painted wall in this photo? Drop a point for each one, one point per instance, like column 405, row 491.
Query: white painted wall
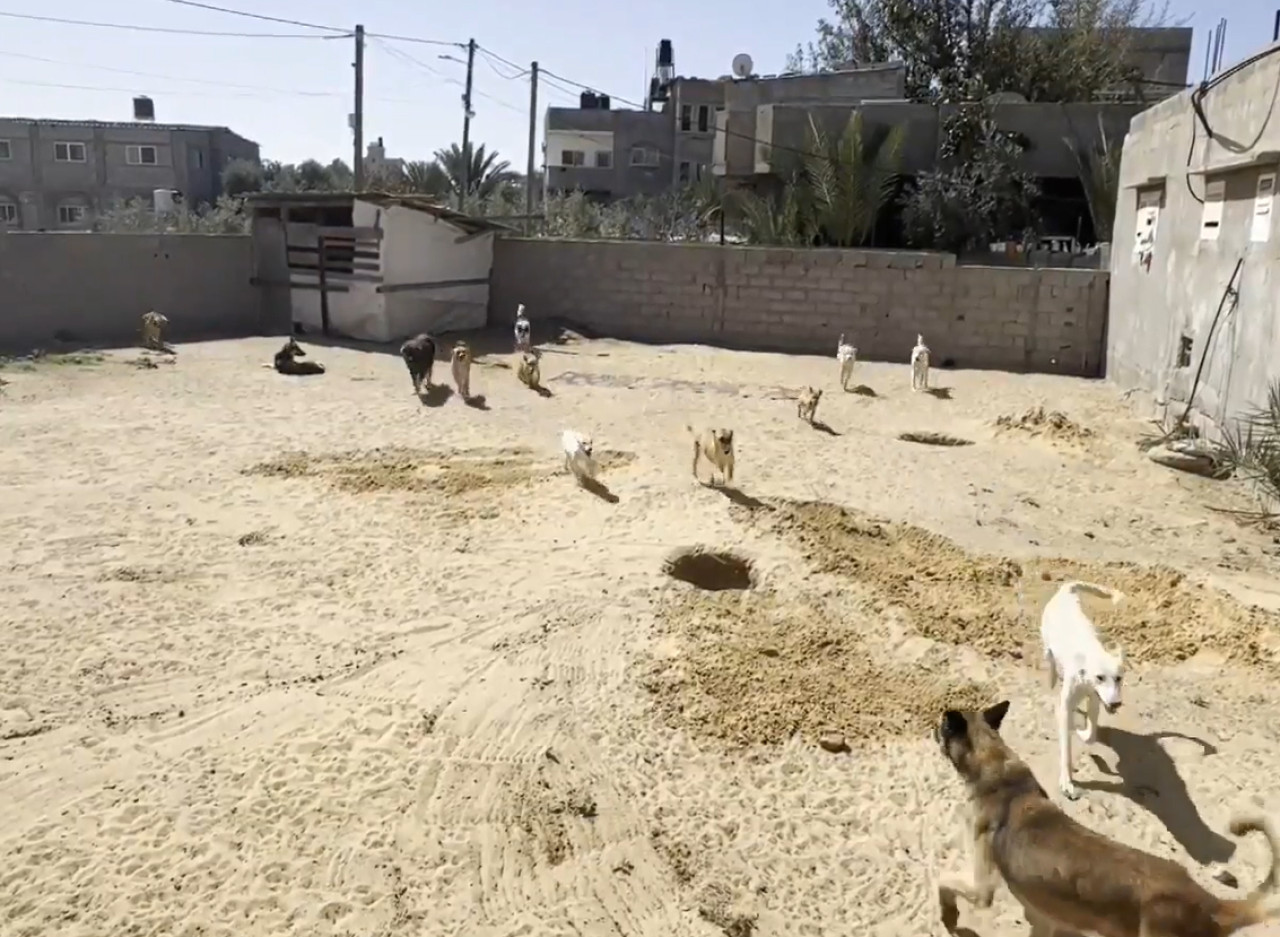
column 589, row 142
column 357, row 313
column 419, row 248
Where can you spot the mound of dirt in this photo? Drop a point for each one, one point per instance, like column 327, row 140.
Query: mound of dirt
column 929, row 438
column 407, row 470
column 961, row 598
column 1053, row 425
column 753, row 668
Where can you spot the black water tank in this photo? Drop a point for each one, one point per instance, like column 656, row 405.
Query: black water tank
column 665, row 56
column 144, row 108
column 588, row 101
column 602, row 102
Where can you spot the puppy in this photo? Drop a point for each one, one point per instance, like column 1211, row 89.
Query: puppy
column 920, row 365
column 1089, row 673
column 461, row 366
column 716, row 445
column 419, row 354
column 523, row 331
column 529, row 372
column 286, row 360
column 579, row 459
column 153, row 324
column 807, row 404
column 847, row 355
column 1065, row 875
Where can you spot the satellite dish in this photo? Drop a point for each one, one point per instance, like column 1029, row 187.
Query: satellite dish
column 742, row 65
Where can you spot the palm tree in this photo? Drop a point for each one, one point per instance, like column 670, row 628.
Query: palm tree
column 849, row 180
column 486, row 172
column 1099, row 169
column 426, row 178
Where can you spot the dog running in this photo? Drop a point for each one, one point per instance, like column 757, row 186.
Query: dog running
column 920, row 365
column 523, row 331
column 807, row 404
column 419, row 354
column 716, row 446
column 1089, row 673
column 153, row 324
column 847, row 355
column 1065, row 875
column 461, row 366
column 579, row 457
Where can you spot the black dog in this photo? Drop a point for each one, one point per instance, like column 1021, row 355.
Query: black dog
column 419, row 354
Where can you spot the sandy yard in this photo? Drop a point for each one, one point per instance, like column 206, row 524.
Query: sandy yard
column 304, row 656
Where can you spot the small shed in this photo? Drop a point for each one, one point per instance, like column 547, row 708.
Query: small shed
column 370, row 266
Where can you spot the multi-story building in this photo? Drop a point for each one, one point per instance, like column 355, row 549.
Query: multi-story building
column 745, row 128
column 57, row 174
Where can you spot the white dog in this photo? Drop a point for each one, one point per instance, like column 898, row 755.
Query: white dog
column 578, row 455
column 1090, row 674
column 847, row 355
column 920, row 365
column 523, row 331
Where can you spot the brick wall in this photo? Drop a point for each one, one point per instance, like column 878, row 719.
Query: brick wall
column 1016, row 319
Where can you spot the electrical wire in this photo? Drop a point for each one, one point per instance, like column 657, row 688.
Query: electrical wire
column 418, row 40
column 488, row 58
column 406, row 57
column 259, row 16
column 168, row 30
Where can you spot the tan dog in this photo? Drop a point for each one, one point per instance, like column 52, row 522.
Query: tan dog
column 153, row 324
column 716, row 445
column 461, row 366
column 807, row 404
column 529, row 372
column 1065, row 875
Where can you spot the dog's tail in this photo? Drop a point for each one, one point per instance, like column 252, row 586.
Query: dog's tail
column 1264, row 903
column 1075, row 587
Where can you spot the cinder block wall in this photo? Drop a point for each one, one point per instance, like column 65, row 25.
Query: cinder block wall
column 95, row 287
column 1017, row 319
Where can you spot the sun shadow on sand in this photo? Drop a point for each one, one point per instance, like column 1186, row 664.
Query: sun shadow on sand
column 435, row 395
column 600, row 490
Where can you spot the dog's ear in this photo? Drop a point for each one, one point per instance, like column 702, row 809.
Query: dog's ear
column 1119, row 655
column 994, row 715
column 954, row 724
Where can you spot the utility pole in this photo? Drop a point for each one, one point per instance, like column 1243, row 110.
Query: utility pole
column 533, row 143
column 357, row 118
column 466, row 126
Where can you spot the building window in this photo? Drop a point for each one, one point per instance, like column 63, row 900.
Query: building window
column 686, row 117
column 573, row 158
column 70, row 214
column 6, row 151
column 197, row 159
column 8, row 213
column 644, row 156
column 704, row 118
column 604, row 159
column 140, row 155
column 685, row 171
column 69, row 153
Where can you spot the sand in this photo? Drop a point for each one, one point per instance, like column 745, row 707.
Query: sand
column 305, row 656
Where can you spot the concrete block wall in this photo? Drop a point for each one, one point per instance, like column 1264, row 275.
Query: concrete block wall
column 1016, row 319
column 95, row 287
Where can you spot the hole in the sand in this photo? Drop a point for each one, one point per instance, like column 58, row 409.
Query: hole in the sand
column 712, row 570
column 934, row 439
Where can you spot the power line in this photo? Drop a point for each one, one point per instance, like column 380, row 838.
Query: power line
column 404, row 56
column 168, row 30
column 258, row 16
column 249, row 91
column 54, row 84
column 415, row 39
column 489, row 59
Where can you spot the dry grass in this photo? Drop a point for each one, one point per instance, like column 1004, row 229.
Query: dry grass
column 1053, row 425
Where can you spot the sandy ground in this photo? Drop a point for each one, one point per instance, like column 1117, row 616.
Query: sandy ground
column 306, row 656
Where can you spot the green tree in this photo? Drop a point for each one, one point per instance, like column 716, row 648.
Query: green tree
column 242, row 176
column 426, row 178
column 486, row 171
column 1099, row 169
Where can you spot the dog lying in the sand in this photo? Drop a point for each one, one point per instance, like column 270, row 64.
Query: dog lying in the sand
column 1066, row 875
column 1089, row 673
column 286, row 360
column 716, row 446
column 419, row 354
column 529, row 371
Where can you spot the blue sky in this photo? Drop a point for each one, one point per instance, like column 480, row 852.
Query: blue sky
column 293, row 95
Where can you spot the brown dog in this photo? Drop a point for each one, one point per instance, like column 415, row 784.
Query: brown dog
column 1066, row 875
column 461, row 367
column 529, row 373
column 716, row 445
column 807, row 403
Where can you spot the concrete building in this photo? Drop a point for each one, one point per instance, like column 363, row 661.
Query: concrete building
column 377, row 163
column 740, row 128
column 57, row 174
column 1195, row 299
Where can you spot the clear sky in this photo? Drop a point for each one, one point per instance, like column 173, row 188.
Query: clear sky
column 293, row 95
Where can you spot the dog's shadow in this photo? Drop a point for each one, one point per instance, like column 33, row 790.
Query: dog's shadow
column 1150, row 779
column 435, row 395
column 737, row 496
column 477, row 402
column 941, row 393
column 822, row 427
column 862, row 390
column 541, row 391
column 600, row 490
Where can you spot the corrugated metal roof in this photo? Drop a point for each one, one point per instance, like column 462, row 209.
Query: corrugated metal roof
column 116, row 125
column 421, row 203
